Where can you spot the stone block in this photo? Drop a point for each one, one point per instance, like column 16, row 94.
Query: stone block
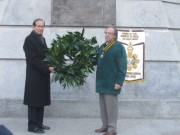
column 12, row 79
column 160, row 42
column 160, row 45
column 12, row 108
column 85, row 92
column 177, row 39
column 12, row 43
column 169, row 109
column 83, row 12
column 3, row 6
column 161, row 82
column 88, row 32
column 24, row 12
column 140, row 14
column 155, row 86
column 157, row 97
column 131, row 109
column 166, row 1
column 172, row 1
column 173, row 14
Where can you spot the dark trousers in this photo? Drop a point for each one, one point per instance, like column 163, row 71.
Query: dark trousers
column 35, row 116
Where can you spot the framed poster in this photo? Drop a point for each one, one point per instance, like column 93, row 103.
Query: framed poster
column 134, row 43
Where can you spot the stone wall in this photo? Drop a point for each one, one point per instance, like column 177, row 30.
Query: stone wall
column 157, row 97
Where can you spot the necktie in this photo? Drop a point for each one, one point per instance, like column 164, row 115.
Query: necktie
column 42, row 39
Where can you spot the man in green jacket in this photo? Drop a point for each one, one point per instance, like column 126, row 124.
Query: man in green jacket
column 110, row 75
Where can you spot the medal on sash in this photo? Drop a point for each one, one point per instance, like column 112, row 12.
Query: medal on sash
column 107, row 47
column 102, row 55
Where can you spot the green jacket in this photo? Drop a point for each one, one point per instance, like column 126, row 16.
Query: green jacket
column 111, row 69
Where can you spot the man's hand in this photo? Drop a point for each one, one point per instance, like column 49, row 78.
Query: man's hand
column 117, row 86
column 51, row 69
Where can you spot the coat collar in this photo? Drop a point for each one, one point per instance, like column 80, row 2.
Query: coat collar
column 36, row 37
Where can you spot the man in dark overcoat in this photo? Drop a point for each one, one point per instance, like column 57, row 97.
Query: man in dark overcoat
column 37, row 83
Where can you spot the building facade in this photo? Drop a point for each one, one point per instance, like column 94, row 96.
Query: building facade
column 157, row 97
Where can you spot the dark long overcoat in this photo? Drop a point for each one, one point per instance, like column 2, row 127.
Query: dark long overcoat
column 37, row 83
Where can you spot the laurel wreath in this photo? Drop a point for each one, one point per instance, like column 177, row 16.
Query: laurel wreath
column 72, row 56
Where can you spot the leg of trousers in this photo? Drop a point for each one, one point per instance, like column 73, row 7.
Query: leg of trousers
column 35, row 116
column 109, row 111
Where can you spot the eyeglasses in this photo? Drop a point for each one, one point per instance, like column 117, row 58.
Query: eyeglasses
column 39, row 26
column 109, row 33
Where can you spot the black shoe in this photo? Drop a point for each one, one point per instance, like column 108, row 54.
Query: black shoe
column 42, row 127
column 101, row 130
column 36, row 130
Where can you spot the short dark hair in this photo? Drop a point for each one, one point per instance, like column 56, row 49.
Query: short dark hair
column 38, row 19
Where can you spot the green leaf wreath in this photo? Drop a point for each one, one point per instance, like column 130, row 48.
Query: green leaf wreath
column 72, row 56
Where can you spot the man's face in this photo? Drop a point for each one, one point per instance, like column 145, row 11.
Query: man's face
column 109, row 34
column 39, row 27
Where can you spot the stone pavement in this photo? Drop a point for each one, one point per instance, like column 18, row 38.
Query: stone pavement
column 86, row 126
